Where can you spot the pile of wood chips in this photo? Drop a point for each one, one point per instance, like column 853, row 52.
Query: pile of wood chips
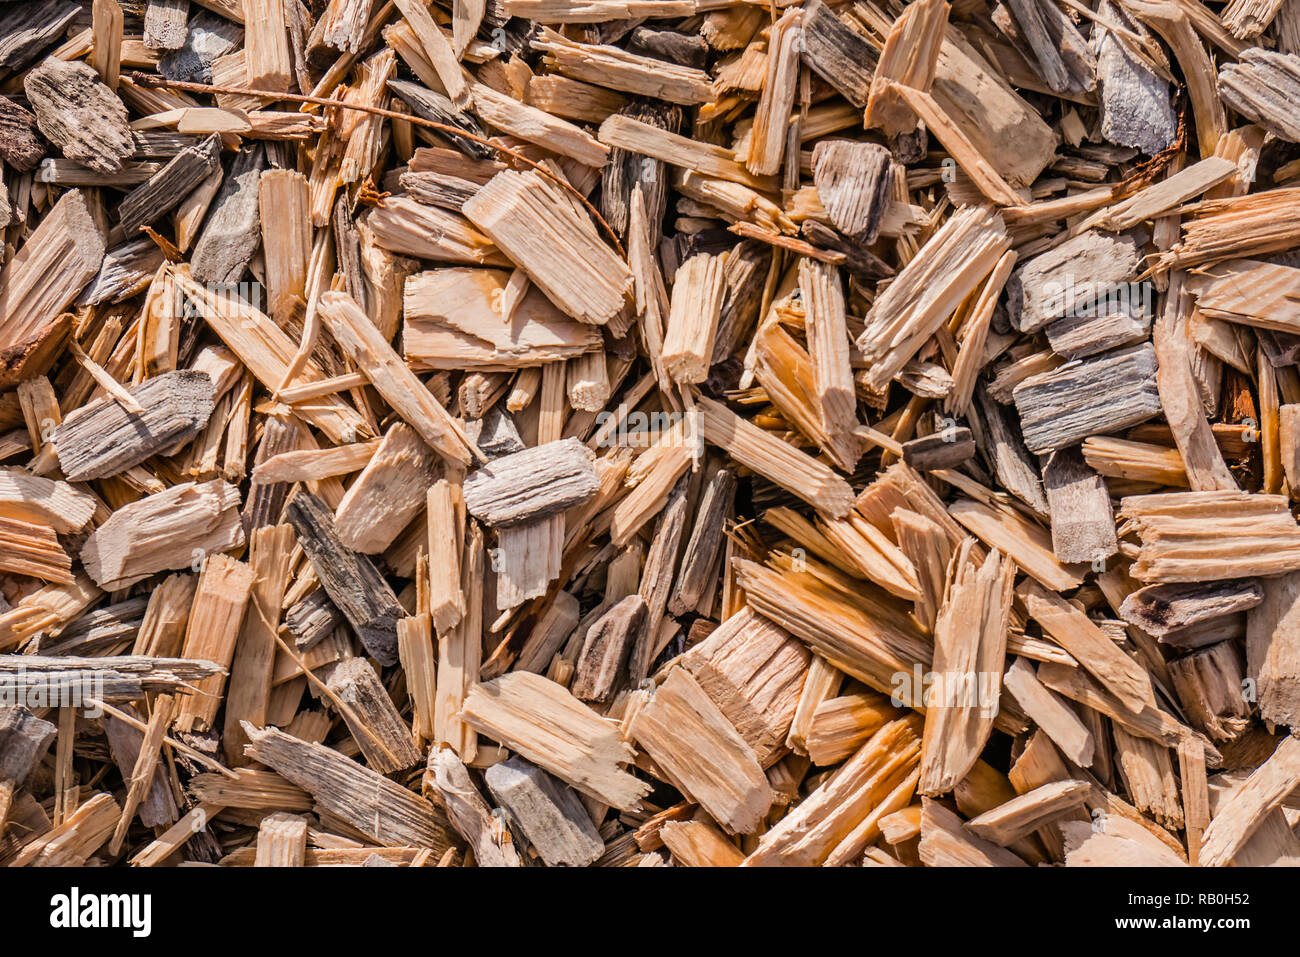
column 649, row 432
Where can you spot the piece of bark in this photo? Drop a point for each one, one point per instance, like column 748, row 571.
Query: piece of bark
column 385, row 812
column 163, row 531
column 605, row 651
column 375, row 723
column 840, row 55
column 469, row 813
column 1083, row 522
column 102, row 438
column 1260, row 85
column 311, row 619
column 539, row 720
column 548, row 814
column 1107, row 326
column 532, row 484
column 232, row 231
column 79, row 114
column 1136, row 105
column 20, row 144
column 939, row 450
column 701, row 552
column 27, row 29
column 1059, row 408
column 1007, row 454
column 1273, row 649
column 1064, row 59
column 1160, row 610
column 351, row 580
column 1069, row 278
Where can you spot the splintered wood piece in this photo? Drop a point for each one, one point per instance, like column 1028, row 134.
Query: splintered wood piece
column 533, row 484
column 754, row 672
column 678, row 727
column 101, row 438
column 619, row 70
column 1211, row 536
column 281, row 840
column 350, row 578
column 947, row 269
column 1050, row 713
column 946, row 842
column 453, row 319
column 374, row 721
column 1089, row 645
column 538, row 719
column 385, row 812
column 270, row 556
column 554, row 242
column 699, row 288
column 1237, row 819
column 443, row 509
column 167, row 530
column 908, row 59
column 841, row 817
column 528, row 558
column 469, row 813
column 79, row 114
column 767, row 138
column 1211, row 684
column 46, row 274
column 363, row 343
column 778, row 461
column 212, row 633
column 1083, row 522
column 828, row 346
column 549, row 815
column 460, row 651
column 388, row 493
column 1026, row 813
column 970, row 638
